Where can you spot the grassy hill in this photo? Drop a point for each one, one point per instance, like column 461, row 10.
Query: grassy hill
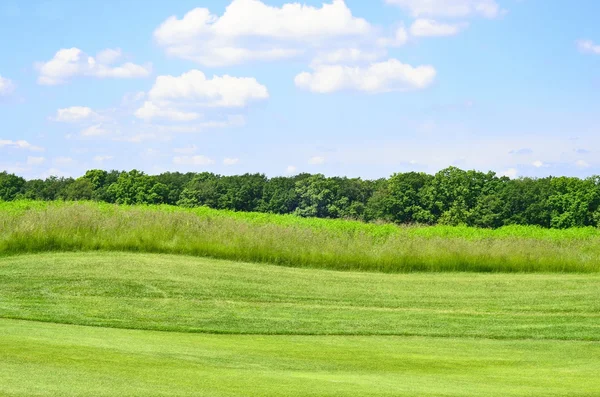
column 105, row 300
column 28, row 227
column 92, row 324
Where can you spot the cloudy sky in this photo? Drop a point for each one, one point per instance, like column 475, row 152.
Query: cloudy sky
column 355, row 87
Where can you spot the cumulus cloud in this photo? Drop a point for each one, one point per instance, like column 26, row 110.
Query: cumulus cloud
column 291, row 169
column 522, row 151
column 538, row 164
column 72, row 62
column 431, row 28
column 102, row 159
column 170, row 95
column 250, row 30
column 449, row 8
column 75, row 114
column 230, row 161
column 7, row 87
column 582, row 164
column 150, row 110
column 511, row 173
column 588, row 46
column 33, row 161
column 95, row 131
column 193, row 160
column 109, row 56
column 63, row 161
column 391, row 75
column 186, row 150
column 316, row 160
column 347, row 55
column 20, row 144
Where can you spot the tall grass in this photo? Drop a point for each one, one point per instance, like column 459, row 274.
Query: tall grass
column 27, row 227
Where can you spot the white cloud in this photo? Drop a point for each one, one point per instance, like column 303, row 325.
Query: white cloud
column 171, row 94
column 193, row 160
column 432, row 28
column 102, row 159
column 75, row 114
column 511, row 173
column 223, row 91
column 94, row 131
column 150, row 111
column 588, row 46
column 291, row 169
column 6, row 86
column 538, row 164
column 582, row 164
column 316, row 160
column 449, row 8
column 150, row 152
column 109, row 56
column 251, row 30
column 33, row 161
column 400, row 38
column 378, row 77
column 20, row 144
column 347, row 55
column 140, row 138
column 53, row 172
column 72, row 62
column 186, row 150
column 230, row 161
column 63, row 161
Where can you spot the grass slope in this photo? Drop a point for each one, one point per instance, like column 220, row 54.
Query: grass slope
column 274, row 331
column 39, row 359
column 175, row 293
column 29, row 227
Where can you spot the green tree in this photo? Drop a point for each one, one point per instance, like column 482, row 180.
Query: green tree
column 241, row 192
column 315, row 196
column 573, row 202
column 135, row 187
column 10, row 186
column 526, row 202
column 279, row 196
column 80, row 189
column 406, row 203
column 454, row 193
column 175, row 183
column 202, row 190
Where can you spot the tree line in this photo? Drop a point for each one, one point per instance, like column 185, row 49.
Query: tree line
column 450, row 197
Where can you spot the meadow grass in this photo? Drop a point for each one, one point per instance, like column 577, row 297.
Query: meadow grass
column 179, row 293
column 28, row 227
column 260, row 330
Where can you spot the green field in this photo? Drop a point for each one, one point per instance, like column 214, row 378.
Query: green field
column 29, row 227
column 105, row 300
column 93, row 324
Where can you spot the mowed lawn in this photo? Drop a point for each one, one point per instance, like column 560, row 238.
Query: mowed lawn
column 39, row 359
column 92, row 324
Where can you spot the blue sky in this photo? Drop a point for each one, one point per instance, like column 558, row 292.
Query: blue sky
column 338, row 87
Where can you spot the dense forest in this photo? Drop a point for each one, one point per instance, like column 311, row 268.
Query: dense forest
column 451, row 197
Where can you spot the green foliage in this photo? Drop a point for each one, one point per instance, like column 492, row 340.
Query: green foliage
column 316, row 196
column 451, row 197
column 10, row 186
column 80, row 189
column 279, row 196
column 135, row 187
